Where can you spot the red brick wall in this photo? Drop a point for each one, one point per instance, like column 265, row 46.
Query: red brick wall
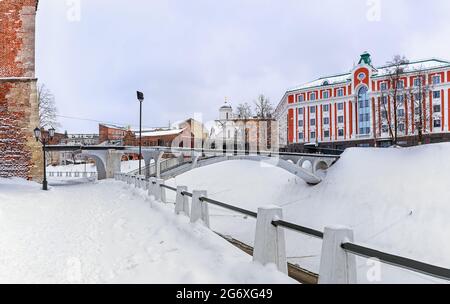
column 20, row 155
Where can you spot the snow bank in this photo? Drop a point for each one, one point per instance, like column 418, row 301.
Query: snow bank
column 396, row 200
column 108, row 232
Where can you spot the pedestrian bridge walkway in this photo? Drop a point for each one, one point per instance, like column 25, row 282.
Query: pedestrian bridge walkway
column 167, row 162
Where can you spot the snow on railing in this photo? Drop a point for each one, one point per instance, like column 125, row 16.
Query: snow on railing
column 338, row 258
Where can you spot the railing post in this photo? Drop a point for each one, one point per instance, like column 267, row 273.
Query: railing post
column 270, row 244
column 336, row 265
column 199, row 209
column 182, row 201
column 151, row 187
column 160, row 191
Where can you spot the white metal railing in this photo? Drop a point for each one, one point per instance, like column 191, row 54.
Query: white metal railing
column 338, row 255
column 74, row 174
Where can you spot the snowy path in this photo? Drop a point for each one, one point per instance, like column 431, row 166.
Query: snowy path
column 107, row 233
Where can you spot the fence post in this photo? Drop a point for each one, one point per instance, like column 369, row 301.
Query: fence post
column 182, row 201
column 160, row 191
column 151, row 187
column 199, row 209
column 270, row 244
column 336, row 265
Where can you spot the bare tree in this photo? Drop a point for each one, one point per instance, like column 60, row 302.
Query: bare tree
column 47, row 108
column 393, row 98
column 263, row 107
column 244, row 111
column 417, row 95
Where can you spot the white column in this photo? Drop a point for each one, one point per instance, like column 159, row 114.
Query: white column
column 199, row 209
column 182, row 201
column 336, row 265
column 270, row 247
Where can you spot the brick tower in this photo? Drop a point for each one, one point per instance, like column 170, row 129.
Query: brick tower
column 20, row 155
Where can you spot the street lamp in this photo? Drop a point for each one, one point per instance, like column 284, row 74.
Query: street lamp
column 140, row 97
column 44, row 140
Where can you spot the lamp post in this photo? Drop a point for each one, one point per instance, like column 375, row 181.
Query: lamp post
column 140, row 97
column 44, row 140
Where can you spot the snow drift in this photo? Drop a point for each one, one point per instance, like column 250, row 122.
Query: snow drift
column 396, row 200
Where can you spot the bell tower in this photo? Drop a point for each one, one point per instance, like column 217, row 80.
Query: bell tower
column 20, row 155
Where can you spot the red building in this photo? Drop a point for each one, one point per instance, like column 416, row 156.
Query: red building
column 357, row 108
column 111, row 133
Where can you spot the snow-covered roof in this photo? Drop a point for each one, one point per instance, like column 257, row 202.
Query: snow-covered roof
column 111, row 126
column 161, row 133
column 382, row 71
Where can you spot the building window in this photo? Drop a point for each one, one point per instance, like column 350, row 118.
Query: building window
column 400, row 98
column 384, row 128
column 300, row 98
column 418, row 97
column 340, row 106
column 326, row 108
column 437, row 79
column 326, row 95
column 313, row 135
column 384, row 100
column 341, row 132
column 301, row 123
column 417, row 82
column 313, row 122
column 437, row 109
column 437, row 123
column 401, row 127
column 326, row 133
column 300, row 111
column 401, row 113
column 364, row 111
column 437, row 94
column 340, row 119
column 383, row 86
column 364, row 117
column 300, row 136
column 417, row 110
column 326, row 121
column 400, row 84
column 312, row 110
column 340, row 92
column 313, row 96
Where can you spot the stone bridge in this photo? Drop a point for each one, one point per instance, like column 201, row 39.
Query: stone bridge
column 308, row 167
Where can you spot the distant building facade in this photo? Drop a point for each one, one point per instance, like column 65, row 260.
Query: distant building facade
column 352, row 109
column 111, row 133
column 237, row 133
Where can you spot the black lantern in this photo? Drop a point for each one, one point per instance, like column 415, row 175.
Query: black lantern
column 44, row 140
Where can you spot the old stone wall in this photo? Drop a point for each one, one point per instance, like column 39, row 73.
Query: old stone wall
column 20, row 154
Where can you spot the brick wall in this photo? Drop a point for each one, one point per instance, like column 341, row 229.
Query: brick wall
column 20, row 155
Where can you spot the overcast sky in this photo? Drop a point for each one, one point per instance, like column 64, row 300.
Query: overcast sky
column 187, row 56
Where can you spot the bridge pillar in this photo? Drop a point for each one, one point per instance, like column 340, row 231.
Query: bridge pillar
column 113, row 163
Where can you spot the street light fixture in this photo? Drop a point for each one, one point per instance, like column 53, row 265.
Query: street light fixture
column 44, row 140
column 140, row 97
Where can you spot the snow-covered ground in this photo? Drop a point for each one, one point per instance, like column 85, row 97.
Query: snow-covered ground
column 396, row 200
column 108, row 232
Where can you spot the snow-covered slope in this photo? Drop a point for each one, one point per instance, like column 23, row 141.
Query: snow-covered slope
column 396, row 200
column 108, row 232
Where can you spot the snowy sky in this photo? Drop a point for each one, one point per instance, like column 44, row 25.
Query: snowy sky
column 187, row 56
